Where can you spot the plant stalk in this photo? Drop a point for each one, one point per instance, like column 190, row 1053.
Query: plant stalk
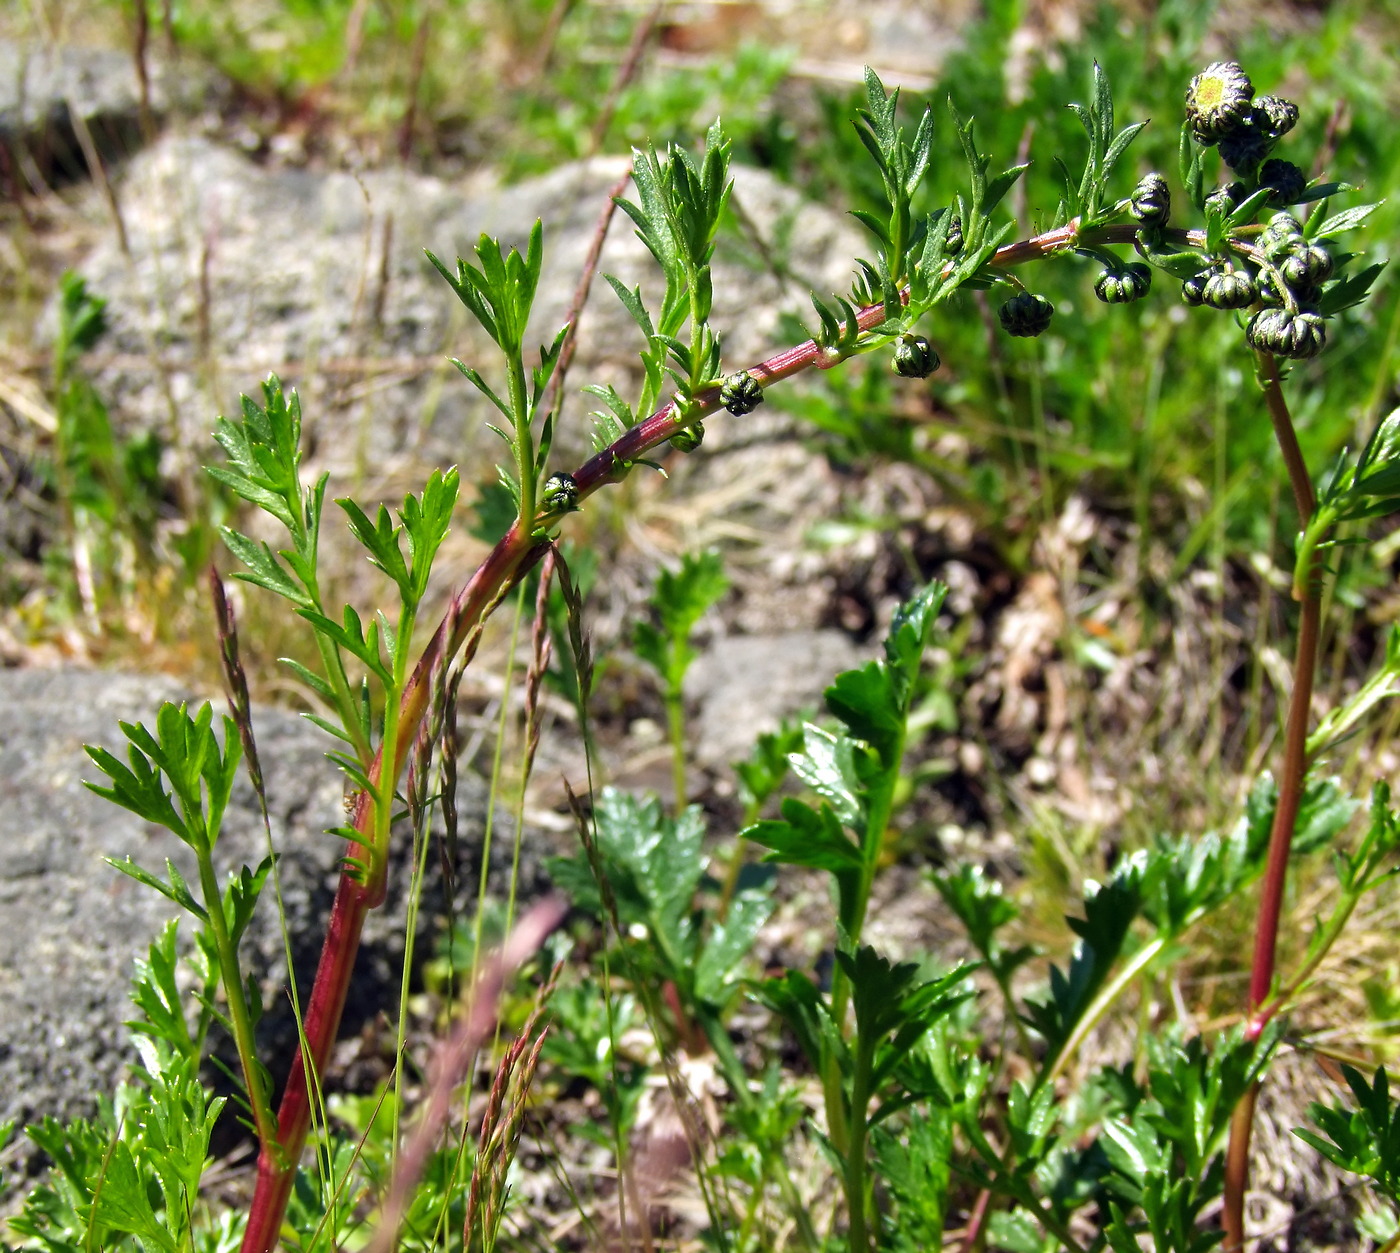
column 1292, row 775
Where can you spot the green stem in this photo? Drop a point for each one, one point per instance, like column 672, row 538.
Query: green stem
column 675, row 730
column 861, row 1237
column 524, row 442
column 1100, row 1005
column 235, row 993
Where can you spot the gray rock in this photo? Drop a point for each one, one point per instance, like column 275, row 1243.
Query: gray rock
column 745, row 685
column 55, row 99
column 71, row 926
column 236, row 271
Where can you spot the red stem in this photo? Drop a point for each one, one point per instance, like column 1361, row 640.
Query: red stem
column 510, row 560
column 1292, row 776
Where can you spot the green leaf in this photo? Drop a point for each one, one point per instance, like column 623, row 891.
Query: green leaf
column 727, row 945
column 157, row 996
column 797, row 1000
column 681, row 599
column 806, row 837
column 176, row 890
column 1347, row 220
column 124, row 1204
column 1364, row 1140
column 768, row 764
column 826, row 764
column 1108, row 913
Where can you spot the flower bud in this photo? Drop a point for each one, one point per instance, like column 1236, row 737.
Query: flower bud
column 1193, row 290
column 1306, row 266
column 1218, row 100
column 560, row 493
column 914, row 357
column 1275, row 115
column 954, row 242
column 1245, row 147
column 1282, row 235
column 1296, row 336
column 1124, row 286
column 689, row 438
column 1151, row 202
column 1288, row 183
column 1267, row 289
column 741, row 393
column 1224, row 199
column 1026, row 315
column 1229, row 289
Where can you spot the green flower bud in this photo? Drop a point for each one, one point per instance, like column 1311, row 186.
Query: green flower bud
column 1026, row 315
column 1275, row 115
column 1152, row 201
column 1218, row 100
column 1283, row 235
column 954, row 242
column 1229, row 290
column 1193, row 290
column 560, row 493
column 741, row 393
column 1268, row 291
column 1296, row 336
column 1224, row 199
column 1245, row 147
column 1288, row 183
column 914, row 357
column 1306, row 266
column 1124, row 286
column 689, row 438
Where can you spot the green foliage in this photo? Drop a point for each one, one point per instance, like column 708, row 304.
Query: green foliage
column 499, row 294
column 679, row 206
column 109, row 485
column 1364, row 1140
column 682, row 597
column 855, row 772
column 129, row 1177
column 1165, row 1159
column 653, row 867
column 185, row 755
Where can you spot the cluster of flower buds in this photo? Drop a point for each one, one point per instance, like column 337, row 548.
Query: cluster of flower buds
column 1285, row 333
column 1287, row 282
column 1222, row 110
column 1221, row 287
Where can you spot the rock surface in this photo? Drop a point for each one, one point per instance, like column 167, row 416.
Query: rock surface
column 236, row 270
column 71, row 926
column 746, row 684
column 61, row 105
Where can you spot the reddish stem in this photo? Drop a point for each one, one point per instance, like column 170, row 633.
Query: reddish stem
column 1292, row 776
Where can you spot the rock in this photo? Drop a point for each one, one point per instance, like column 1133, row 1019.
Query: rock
column 71, row 926
column 53, row 100
column 745, row 685
column 236, row 270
